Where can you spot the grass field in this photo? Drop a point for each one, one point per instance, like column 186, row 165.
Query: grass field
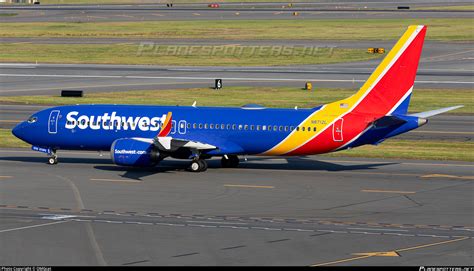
column 422, row 99
column 328, row 29
column 178, row 55
column 467, row 7
column 97, row 2
column 393, row 148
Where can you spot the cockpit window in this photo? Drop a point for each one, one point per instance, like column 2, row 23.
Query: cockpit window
column 32, row 119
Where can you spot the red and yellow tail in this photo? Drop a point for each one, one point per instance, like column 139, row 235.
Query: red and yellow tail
column 386, row 92
column 391, row 84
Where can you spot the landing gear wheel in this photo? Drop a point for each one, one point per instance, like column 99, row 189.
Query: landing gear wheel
column 203, row 164
column 231, row 162
column 53, row 160
column 198, row 166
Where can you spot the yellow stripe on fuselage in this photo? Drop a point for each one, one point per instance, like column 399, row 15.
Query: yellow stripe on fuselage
column 323, row 118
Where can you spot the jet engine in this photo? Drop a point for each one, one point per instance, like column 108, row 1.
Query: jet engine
column 134, row 152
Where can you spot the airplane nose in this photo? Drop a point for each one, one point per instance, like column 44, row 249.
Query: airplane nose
column 17, row 130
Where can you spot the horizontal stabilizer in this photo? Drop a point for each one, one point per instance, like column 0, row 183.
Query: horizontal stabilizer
column 388, row 121
column 431, row 113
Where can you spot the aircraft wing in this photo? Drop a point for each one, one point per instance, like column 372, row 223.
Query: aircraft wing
column 170, row 144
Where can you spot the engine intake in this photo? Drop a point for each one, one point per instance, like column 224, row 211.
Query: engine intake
column 134, row 152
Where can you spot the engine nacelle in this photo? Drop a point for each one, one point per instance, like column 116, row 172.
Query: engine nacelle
column 134, row 152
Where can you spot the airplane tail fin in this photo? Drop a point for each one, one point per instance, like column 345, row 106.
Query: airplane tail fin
column 389, row 87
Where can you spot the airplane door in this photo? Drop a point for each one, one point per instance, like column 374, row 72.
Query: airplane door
column 173, row 127
column 53, row 122
column 182, row 127
column 337, row 130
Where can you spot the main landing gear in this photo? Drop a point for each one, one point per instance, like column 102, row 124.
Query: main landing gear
column 230, row 161
column 198, row 165
column 227, row 161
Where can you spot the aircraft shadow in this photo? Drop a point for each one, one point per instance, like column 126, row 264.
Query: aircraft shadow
column 62, row 160
column 293, row 163
column 303, row 163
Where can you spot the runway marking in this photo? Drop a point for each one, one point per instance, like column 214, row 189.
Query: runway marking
column 34, row 226
column 380, row 254
column 372, row 254
column 215, row 222
column 248, row 186
column 387, row 191
column 448, row 176
column 372, row 229
column 114, row 180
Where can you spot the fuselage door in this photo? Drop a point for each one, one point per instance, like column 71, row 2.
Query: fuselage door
column 337, row 130
column 182, row 127
column 173, row 127
column 53, row 122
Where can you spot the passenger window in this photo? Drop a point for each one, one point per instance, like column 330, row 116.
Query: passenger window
column 200, row 125
column 246, row 127
column 264, row 127
column 275, row 128
column 205, row 125
column 286, row 128
column 251, row 127
column 314, row 129
column 258, row 127
column 228, row 126
column 280, row 128
column 211, row 126
column 233, row 126
column 194, row 125
column 309, row 129
column 302, row 128
column 240, row 126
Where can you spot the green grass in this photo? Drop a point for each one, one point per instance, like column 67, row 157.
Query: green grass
column 8, row 140
column 178, row 55
column 8, row 14
column 422, row 100
column 329, row 29
column 63, row 2
column 409, row 149
column 467, row 7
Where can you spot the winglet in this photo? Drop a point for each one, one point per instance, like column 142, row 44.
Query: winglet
column 166, row 126
column 431, row 113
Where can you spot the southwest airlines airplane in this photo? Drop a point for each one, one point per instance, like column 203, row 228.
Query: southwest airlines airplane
column 139, row 135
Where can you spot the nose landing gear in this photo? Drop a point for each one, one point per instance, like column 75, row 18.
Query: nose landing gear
column 53, row 158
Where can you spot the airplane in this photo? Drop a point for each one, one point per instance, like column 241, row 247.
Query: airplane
column 144, row 135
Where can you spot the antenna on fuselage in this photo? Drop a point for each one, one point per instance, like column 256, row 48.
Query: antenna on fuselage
column 194, row 104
